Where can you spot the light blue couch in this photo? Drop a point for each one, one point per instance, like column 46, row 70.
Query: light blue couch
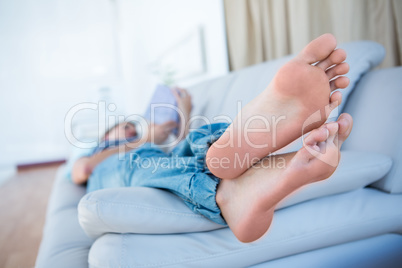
column 353, row 219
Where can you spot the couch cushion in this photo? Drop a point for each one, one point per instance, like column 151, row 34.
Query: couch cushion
column 146, row 210
column 377, row 111
column 311, row 225
column 138, row 210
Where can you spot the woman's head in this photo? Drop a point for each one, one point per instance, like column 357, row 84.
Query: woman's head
column 121, row 131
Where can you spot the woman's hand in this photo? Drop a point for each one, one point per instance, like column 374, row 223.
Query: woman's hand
column 185, row 106
column 82, row 169
column 159, row 133
column 183, row 99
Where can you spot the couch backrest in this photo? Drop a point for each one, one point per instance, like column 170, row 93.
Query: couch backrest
column 376, row 106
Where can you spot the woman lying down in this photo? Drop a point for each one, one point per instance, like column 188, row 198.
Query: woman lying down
column 220, row 170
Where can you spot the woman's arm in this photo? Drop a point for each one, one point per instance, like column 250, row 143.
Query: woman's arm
column 84, row 166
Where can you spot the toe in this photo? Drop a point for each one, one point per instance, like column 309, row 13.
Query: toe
column 334, row 101
column 340, row 82
column 339, row 69
column 318, row 49
column 336, row 57
column 333, row 131
column 316, row 136
column 345, row 122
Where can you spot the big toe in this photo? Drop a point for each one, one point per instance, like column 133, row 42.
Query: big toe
column 318, row 49
column 345, row 122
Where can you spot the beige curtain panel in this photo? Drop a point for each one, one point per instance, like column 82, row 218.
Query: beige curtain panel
column 261, row 30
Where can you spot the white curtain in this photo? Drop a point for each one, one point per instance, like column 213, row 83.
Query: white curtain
column 261, row 30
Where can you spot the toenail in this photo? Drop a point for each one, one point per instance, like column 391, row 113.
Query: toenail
column 334, row 124
column 344, row 122
column 327, row 131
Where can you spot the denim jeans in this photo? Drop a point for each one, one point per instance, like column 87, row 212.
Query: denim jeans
column 182, row 172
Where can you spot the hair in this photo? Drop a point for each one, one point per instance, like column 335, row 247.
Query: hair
column 114, row 126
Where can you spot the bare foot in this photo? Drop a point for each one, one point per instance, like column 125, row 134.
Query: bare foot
column 248, row 202
column 276, row 117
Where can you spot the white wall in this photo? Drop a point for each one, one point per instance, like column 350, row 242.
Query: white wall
column 53, row 54
column 148, row 28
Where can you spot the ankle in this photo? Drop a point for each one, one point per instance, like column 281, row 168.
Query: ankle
column 221, row 198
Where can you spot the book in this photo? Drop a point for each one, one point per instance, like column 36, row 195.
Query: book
column 162, row 107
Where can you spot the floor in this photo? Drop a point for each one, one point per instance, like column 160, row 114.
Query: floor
column 23, row 201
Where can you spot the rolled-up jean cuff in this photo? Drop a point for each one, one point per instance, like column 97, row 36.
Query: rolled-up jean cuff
column 204, row 202
column 200, row 141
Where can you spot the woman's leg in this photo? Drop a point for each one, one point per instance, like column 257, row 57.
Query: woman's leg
column 180, row 176
column 183, row 172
